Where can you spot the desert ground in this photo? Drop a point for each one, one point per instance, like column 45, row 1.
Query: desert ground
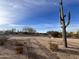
column 37, row 47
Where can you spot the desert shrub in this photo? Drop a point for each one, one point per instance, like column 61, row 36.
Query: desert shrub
column 19, row 44
column 53, row 46
column 73, row 35
column 19, row 50
column 70, row 34
column 3, row 40
column 11, row 31
column 77, row 34
column 54, row 34
column 29, row 30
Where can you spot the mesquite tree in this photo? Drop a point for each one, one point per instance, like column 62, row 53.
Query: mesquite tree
column 63, row 22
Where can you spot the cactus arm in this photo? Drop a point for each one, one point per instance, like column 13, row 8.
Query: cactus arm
column 68, row 19
column 64, row 16
column 60, row 16
column 61, row 12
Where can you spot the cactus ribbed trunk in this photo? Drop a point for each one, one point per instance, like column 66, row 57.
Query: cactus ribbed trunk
column 63, row 22
column 64, row 35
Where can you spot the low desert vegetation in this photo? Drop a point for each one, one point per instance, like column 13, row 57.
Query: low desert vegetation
column 54, row 34
column 73, row 35
column 19, row 50
column 33, row 32
column 3, row 39
column 29, row 30
column 18, row 47
column 53, row 46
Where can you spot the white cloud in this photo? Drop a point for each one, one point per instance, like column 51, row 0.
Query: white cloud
column 3, row 13
column 5, row 20
column 13, row 10
column 5, row 17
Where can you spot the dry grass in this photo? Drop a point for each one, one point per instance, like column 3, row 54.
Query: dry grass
column 53, row 46
column 19, row 50
column 3, row 39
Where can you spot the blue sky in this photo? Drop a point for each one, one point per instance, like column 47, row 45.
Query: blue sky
column 43, row 15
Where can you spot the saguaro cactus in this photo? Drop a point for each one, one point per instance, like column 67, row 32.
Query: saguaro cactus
column 63, row 22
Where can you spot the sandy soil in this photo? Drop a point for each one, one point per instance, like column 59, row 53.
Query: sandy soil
column 38, row 48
